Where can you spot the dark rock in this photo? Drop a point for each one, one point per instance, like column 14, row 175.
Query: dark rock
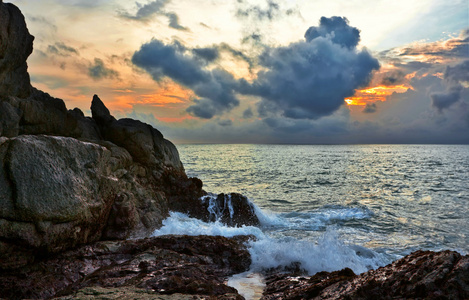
column 145, row 143
column 420, row 275
column 9, row 120
column 162, row 265
column 99, row 111
column 16, row 44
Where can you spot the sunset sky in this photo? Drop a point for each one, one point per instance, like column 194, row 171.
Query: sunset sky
column 264, row 71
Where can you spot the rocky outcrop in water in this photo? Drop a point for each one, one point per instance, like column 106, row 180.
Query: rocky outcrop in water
column 148, row 267
column 420, row 275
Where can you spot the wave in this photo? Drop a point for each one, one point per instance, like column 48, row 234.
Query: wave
column 271, row 250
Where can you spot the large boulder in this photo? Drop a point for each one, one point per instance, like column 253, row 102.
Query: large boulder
column 59, row 192
column 55, row 193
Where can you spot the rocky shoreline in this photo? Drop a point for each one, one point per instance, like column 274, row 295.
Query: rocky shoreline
column 78, row 196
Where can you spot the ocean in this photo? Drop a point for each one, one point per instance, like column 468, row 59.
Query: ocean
column 328, row 207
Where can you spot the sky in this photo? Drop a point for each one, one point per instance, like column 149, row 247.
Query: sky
column 262, row 71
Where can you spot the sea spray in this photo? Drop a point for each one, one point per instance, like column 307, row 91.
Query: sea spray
column 327, row 253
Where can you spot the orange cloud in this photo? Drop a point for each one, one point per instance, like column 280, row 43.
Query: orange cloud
column 374, row 94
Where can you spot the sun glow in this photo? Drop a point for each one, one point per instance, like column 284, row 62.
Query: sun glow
column 374, row 94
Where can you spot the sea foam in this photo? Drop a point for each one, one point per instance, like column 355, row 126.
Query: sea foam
column 327, row 253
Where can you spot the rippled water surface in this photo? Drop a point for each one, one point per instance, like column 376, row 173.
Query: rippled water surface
column 392, row 199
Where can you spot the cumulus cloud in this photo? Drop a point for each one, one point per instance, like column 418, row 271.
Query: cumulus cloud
column 215, row 87
column 337, row 30
column 98, row 70
column 310, row 79
column 304, row 80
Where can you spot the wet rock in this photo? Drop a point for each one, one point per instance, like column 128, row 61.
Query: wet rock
column 420, row 275
column 164, row 265
column 231, row 209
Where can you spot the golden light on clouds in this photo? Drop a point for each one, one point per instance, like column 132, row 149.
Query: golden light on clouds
column 374, row 94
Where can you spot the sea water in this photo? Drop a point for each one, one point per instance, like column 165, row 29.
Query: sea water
column 336, row 206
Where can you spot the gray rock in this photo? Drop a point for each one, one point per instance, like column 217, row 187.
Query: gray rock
column 145, row 143
column 56, row 192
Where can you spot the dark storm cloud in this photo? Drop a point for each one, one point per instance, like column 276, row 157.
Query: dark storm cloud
column 458, row 73
column 304, row 80
column 310, row 79
column 211, row 54
column 155, row 8
column 444, row 100
column 215, row 88
column 99, row 71
column 370, row 108
column 208, row 54
column 336, row 29
column 62, row 49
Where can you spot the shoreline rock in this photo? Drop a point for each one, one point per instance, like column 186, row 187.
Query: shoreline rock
column 419, row 275
column 192, row 265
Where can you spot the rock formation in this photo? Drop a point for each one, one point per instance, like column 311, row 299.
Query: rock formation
column 67, row 179
column 420, row 275
column 150, row 267
column 16, row 44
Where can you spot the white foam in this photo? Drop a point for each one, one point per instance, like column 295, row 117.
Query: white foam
column 179, row 223
column 327, row 253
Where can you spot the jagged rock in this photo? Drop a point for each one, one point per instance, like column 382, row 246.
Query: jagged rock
column 16, row 44
column 162, row 265
column 420, row 275
column 99, row 111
